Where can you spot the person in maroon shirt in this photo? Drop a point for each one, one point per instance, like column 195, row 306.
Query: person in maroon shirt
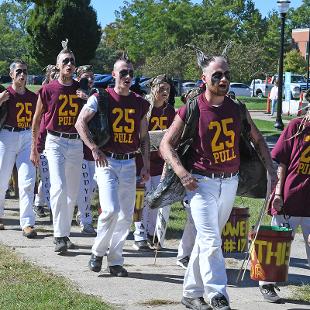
column 115, row 165
column 211, row 180
column 88, row 183
column 15, row 141
column 291, row 197
column 160, row 117
column 64, row 149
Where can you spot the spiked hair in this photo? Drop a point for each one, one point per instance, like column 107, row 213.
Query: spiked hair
column 65, row 49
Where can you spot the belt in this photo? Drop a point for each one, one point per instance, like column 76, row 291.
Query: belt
column 120, row 156
column 15, row 129
column 215, row 175
column 64, row 134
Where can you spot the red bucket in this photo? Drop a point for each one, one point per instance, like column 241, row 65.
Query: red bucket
column 270, row 254
column 235, row 232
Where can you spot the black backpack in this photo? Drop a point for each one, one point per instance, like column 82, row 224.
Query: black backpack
column 99, row 125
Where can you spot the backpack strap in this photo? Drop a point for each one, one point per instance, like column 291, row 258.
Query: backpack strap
column 103, row 101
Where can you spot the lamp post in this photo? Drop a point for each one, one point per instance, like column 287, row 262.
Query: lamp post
column 283, row 6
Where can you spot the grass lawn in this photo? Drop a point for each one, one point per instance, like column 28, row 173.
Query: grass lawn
column 251, row 103
column 24, row 286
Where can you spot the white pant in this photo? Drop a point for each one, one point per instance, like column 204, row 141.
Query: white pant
column 43, row 196
column 188, row 238
column 210, row 205
column 294, row 222
column 117, row 192
column 87, row 188
column 148, row 221
column 15, row 148
column 65, row 158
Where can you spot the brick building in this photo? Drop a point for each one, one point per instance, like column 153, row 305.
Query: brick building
column 300, row 39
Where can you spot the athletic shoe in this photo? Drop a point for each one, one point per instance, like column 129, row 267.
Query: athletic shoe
column 142, row 246
column 60, row 245
column 88, row 229
column 118, row 271
column 269, row 293
column 195, row 303
column 70, row 244
column 219, row 302
column 95, row 263
column 183, row 262
column 1, row 224
column 39, row 211
column 29, row 232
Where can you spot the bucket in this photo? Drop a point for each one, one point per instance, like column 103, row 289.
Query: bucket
column 139, row 202
column 270, row 254
column 235, row 232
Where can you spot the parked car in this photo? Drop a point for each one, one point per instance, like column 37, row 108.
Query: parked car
column 198, row 83
column 104, row 81
column 239, row 89
column 5, row 79
column 187, row 86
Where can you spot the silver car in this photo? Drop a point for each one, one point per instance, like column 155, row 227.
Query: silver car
column 239, row 89
column 186, row 86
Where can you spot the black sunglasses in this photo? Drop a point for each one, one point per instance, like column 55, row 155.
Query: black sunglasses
column 20, row 71
column 124, row 73
column 67, row 60
column 218, row 75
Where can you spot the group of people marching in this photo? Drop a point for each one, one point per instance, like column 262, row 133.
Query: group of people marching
column 50, row 130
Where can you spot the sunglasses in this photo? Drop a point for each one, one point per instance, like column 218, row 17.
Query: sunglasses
column 124, row 73
column 218, row 75
column 20, row 71
column 67, row 60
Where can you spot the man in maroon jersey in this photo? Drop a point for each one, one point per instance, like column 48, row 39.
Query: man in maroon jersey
column 115, row 165
column 160, row 117
column 15, row 141
column 291, row 197
column 211, row 180
column 64, row 149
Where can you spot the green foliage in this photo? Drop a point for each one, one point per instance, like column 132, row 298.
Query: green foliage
column 299, row 18
column 294, row 62
column 48, row 25
column 13, row 34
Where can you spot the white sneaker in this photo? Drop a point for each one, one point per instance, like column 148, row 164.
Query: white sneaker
column 88, row 229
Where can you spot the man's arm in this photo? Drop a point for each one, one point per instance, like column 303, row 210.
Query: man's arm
column 34, row 155
column 263, row 151
column 145, row 149
column 81, row 126
column 167, row 148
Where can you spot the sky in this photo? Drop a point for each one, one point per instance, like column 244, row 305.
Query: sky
column 106, row 8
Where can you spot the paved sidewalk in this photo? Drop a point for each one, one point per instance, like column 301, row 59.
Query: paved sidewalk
column 266, row 117
column 149, row 286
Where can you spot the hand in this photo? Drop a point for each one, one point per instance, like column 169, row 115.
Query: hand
column 144, row 175
column 189, row 182
column 4, row 96
column 277, row 203
column 81, row 94
column 34, row 157
column 99, row 157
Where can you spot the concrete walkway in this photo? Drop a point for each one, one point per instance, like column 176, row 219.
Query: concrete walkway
column 263, row 116
column 150, row 285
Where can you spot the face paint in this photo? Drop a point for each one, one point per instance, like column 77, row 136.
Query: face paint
column 218, row 75
column 67, row 60
column 20, row 71
column 124, row 73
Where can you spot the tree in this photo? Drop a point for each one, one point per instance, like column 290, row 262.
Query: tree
column 294, row 62
column 49, row 24
column 13, row 16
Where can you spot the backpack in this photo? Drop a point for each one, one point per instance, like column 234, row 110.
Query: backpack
column 99, row 125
